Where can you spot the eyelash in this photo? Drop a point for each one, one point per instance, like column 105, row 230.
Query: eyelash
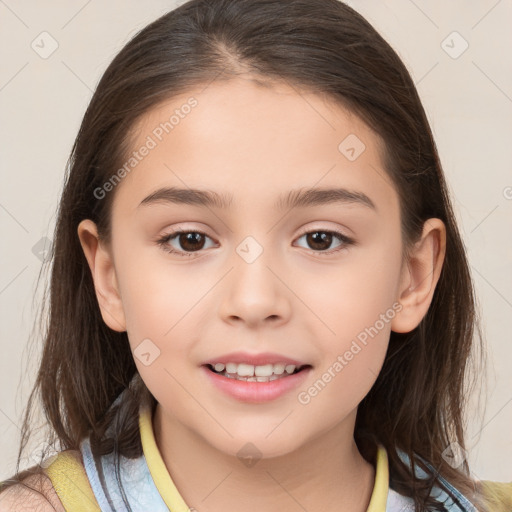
column 163, row 242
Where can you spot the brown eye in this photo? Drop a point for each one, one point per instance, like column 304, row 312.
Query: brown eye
column 320, row 241
column 191, row 241
column 185, row 243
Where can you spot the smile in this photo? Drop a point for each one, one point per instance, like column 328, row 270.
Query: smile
column 242, row 382
column 252, row 373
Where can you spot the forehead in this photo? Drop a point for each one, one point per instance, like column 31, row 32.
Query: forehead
column 252, row 143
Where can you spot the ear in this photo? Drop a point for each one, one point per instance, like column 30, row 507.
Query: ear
column 420, row 275
column 103, row 273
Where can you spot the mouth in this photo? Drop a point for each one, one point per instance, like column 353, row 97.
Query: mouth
column 256, row 383
column 252, row 373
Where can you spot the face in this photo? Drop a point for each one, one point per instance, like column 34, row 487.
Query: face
column 317, row 283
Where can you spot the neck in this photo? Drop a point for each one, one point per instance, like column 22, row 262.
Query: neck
column 327, row 473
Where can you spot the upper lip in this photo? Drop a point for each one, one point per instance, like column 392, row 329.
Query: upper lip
column 260, row 359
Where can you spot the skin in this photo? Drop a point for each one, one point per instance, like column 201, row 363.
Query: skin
column 257, row 143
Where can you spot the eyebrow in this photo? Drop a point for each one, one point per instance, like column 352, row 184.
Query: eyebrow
column 300, row 198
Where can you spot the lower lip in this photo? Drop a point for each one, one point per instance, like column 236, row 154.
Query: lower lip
column 256, row 392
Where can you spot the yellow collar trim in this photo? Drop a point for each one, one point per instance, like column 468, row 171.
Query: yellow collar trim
column 156, row 465
column 378, row 501
column 175, row 502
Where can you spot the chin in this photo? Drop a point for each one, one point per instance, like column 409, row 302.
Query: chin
column 254, row 445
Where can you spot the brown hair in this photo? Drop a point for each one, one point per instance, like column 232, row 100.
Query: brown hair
column 323, row 46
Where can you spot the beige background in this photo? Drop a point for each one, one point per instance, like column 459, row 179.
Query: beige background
column 468, row 100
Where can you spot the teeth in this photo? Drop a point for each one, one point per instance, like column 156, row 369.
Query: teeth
column 279, row 369
column 262, row 373
column 251, row 379
column 245, row 370
column 231, row 367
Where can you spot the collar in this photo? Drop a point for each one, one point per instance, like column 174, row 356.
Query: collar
column 175, row 501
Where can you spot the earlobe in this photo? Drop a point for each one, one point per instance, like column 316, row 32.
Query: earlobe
column 420, row 276
column 104, row 277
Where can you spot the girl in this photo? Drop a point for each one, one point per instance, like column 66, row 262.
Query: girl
column 259, row 297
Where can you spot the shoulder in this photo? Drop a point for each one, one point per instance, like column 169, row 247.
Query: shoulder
column 41, row 488
column 35, row 492
column 497, row 494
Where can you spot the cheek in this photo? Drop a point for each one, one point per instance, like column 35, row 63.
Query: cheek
column 355, row 304
column 156, row 293
column 162, row 302
column 351, row 295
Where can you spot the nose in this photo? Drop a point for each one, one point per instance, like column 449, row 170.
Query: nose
column 255, row 292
